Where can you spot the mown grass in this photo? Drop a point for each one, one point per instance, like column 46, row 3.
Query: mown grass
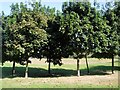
column 39, row 77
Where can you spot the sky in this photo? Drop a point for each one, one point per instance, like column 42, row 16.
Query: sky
column 5, row 4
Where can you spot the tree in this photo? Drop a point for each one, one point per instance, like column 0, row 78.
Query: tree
column 78, row 29
column 54, row 48
column 107, row 37
column 25, row 34
column 117, row 21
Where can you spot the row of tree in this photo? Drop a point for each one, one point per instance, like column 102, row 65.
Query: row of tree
column 78, row 31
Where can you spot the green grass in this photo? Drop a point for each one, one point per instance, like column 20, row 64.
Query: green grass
column 62, row 76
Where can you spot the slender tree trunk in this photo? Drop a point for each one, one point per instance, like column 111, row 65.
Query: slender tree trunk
column 13, row 69
column 78, row 71
column 26, row 71
column 87, row 64
column 112, row 64
column 49, row 67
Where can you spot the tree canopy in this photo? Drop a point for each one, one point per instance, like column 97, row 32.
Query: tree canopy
column 79, row 30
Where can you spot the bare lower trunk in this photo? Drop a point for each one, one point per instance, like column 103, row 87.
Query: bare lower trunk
column 87, row 64
column 49, row 67
column 13, row 69
column 26, row 71
column 78, row 71
column 112, row 64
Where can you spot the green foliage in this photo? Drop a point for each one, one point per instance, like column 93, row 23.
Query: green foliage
column 23, row 34
column 41, row 31
column 89, row 31
column 78, row 27
column 114, row 34
column 54, row 47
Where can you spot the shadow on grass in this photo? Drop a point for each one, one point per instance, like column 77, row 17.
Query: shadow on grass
column 102, row 70
column 40, row 72
column 20, row 72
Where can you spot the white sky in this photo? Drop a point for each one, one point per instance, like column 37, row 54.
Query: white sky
column 51, row 0
column 31, row 0
column 5, row 4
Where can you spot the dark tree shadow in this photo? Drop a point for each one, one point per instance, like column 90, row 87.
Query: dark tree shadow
column 20, row 72
column 40, row 72
column 100, row 70
column 36, row 72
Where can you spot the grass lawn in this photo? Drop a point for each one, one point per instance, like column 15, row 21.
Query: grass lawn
column 64, row 76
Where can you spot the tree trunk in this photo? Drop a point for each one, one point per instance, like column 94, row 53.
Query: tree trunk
column 112, row 64
column 87, row 64
column 13, row 69
column 49, row 67
column 78, row 71
column 26, row 71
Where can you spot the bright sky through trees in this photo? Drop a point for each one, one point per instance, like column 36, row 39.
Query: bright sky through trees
column 5, row 4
